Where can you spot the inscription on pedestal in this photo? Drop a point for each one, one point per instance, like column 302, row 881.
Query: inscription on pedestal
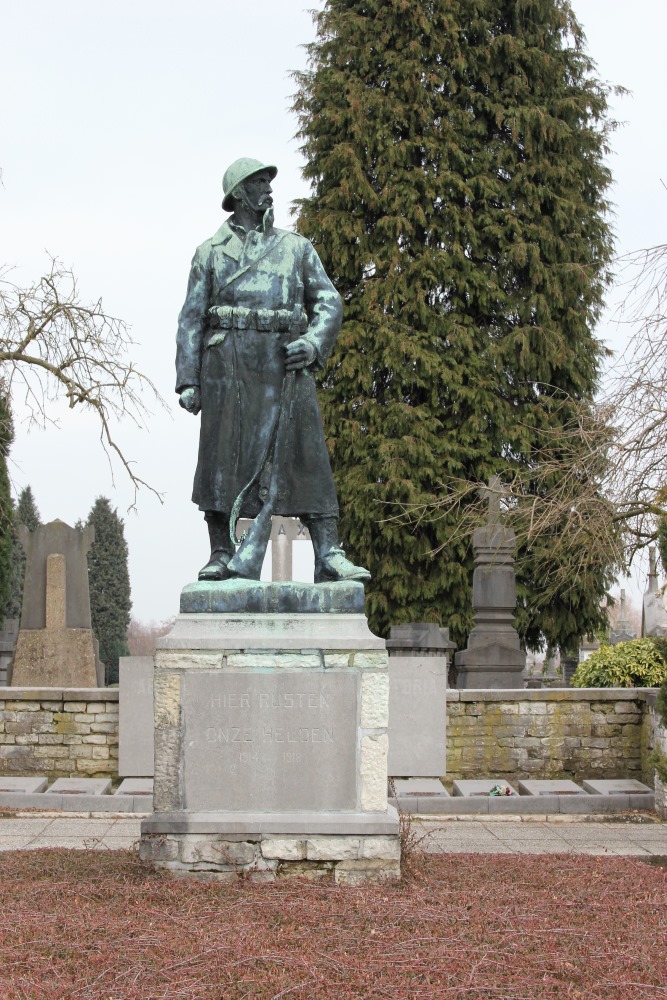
column 270, row 742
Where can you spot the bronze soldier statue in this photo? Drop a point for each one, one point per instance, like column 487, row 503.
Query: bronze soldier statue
column 260, row 317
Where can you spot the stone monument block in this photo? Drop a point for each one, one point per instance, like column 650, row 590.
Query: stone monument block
column 271, row 735
column 135, row 717
column 55, row 645
column 417, row 716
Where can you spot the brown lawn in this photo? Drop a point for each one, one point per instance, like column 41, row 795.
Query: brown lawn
column 100, row 924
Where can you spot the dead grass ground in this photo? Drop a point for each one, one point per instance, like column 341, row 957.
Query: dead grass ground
column 84, row 924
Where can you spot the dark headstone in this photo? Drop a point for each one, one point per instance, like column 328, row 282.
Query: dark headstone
column 55, row 645
column 493, row 657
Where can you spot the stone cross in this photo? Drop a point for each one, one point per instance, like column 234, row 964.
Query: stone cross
column 284, row 532
column 492, row 494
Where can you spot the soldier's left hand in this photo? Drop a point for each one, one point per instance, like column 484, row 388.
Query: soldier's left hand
column 300, row 353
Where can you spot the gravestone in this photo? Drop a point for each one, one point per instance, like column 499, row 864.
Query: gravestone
column 623, row 631
column 135, row 717
column 589, row 645
column 418, row 663
column 493, row 657
column 55, row 645
column 654, row 609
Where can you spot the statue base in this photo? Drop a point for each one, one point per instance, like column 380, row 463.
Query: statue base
column 271, row 741
column 258, row 597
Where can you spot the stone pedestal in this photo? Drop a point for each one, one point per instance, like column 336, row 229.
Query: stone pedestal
column 418, row 661
column 271, row 739
column 493, row 657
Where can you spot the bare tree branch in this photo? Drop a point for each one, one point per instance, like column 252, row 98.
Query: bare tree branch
column 53, row 346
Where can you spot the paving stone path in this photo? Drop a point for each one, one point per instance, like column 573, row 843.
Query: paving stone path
column 502, row 835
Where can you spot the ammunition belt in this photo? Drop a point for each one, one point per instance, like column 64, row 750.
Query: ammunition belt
column 265, row 320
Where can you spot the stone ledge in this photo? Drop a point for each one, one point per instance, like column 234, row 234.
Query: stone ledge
column 237, row 631
column 58, row 694
column 76, row 803
column 550, row 694
column 258, row 824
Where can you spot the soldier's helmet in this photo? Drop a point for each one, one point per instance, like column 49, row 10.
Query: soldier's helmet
column 239, row 171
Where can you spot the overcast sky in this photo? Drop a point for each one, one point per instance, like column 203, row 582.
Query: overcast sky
column 117, row 123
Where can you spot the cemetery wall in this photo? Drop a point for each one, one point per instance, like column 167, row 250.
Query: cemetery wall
column 59, row 732
column 549, row 733
column 511, row 734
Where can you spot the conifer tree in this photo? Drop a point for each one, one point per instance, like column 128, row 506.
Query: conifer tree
column 109, row 581
column 455, row 154
column 26, row 513
column 6, row 505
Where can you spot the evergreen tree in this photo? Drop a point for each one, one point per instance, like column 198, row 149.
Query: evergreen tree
column 25, row 513
column 109, row 581
column 6, row 505
column 455, row 154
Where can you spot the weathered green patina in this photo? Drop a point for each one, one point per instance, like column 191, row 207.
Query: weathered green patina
column 260, row 316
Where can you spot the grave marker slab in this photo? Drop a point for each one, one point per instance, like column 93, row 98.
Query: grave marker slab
column 80, row 786
column 135, row 786
column 135, row 716
column 481, row 786
column 419, row 786
column 417, row 716
column 616, row 786
column 25, row 786
column 550, row 787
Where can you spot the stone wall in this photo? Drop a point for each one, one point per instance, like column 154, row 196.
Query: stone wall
column 59, row 732
column 542, row 733
column 556, row 733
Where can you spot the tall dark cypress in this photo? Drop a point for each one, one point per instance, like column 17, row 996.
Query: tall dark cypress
column 26, row 513
column 109, row 580
column 6, row 507
column 458, row 201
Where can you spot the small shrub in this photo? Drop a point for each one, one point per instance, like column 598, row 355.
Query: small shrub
column 637, row 663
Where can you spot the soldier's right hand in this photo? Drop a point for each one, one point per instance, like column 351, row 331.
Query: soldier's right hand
column 190, row 399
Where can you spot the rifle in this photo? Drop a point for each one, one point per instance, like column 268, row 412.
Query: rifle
column 247, row 562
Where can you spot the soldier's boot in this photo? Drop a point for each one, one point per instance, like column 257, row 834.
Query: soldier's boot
column 331, row 563
column 222, row 549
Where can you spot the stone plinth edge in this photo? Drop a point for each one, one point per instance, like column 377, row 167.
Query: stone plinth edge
column 258, row 597
column 347, row 848
column 271, row 631
column 96, row 694
column 256, row 824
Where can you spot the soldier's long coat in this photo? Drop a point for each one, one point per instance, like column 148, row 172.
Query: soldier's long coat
column 240, row 371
